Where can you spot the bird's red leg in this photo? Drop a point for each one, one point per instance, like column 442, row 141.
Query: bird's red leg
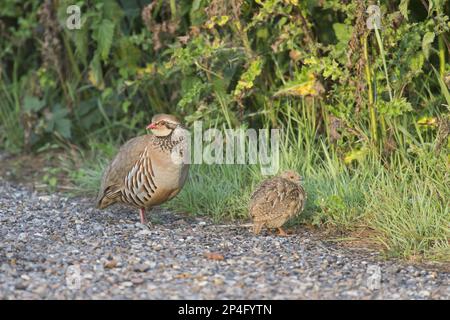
column 142, row 214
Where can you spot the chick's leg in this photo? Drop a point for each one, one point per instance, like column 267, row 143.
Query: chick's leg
column 281, row 232
column 257, row 228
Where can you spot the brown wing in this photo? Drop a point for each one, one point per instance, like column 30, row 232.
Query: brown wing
column 294, row 201
column 265, row 199
column 114, row 174
column 276, row 198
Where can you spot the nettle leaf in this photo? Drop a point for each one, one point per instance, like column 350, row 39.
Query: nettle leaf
column 33, row 104
column 427, row 41
column 126, row 105
column 416, row 61
column 88, row 113
column 81, row 40
column 343, row 32
column 196, row 14
column 126, row 56
column 396, row 107
column 332, row 70
column 404, row 8
column 58, row 122
column 112, row 10
column 192, row 89
column 59, row 112
column 104, row 37
column 63, row 126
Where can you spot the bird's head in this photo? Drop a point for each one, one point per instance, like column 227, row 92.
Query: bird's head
column 163, row 124
column 291, row 175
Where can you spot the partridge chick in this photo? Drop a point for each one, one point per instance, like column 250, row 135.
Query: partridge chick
column 148, row 170
column 276, row 200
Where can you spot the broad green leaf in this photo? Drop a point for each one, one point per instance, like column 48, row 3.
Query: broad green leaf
column 404, row 8
column 126, row 56
column 343, row 32
column 63, row 126
column 104, row 37
column 81, row 40
column 125, row 105
column 427, row 41
column 33, row 104
column 59, row 112
column 262, row 33
column 112, row 10
column 396, row 107
column 416, row 61
column 196, row 13
column 196, row 4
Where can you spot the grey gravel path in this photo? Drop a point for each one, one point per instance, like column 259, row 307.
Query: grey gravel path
column 53, row 247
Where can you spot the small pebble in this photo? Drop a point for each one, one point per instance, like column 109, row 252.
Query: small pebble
column 55, row 247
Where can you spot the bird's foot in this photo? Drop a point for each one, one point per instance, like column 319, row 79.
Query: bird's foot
column 144, row 224
column 282, row 233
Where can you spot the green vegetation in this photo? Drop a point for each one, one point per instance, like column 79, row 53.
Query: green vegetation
column 365, row 112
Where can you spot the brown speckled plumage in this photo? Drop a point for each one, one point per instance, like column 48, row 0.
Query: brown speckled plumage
column 276, row 200
column 143, row 174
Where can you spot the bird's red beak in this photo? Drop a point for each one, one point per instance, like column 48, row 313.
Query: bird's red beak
column 151, row 126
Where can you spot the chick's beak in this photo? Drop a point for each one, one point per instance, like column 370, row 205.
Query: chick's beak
column 151, row 126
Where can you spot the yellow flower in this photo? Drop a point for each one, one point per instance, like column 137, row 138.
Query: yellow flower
column 95, row 81
column 293, row 2
column 223, row 20
column 307, row 88
column 220, row 21
column 358, row 155
column 147, row 70
column 427, row 122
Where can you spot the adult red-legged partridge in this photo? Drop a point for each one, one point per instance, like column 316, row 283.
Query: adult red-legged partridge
column 276, row 200
column 148, row 170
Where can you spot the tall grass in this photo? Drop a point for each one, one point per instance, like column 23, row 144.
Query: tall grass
column 11, row 133
column 401, row 201
column 85, row 167
column 405, row 207
column 408, row 206
column 220, row 192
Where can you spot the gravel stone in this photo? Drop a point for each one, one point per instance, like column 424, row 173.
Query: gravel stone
column 54, row 247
